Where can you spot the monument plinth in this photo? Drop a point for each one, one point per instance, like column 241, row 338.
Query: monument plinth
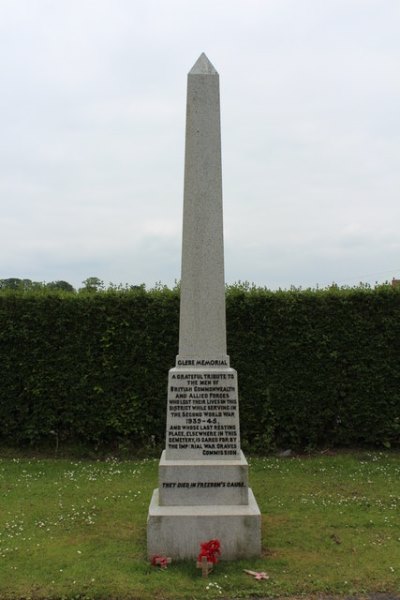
column 203, row 488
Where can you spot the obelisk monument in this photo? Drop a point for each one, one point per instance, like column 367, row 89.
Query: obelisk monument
column 203, row 488
column 202, row 330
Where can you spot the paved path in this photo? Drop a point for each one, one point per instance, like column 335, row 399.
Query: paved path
column 378, row 596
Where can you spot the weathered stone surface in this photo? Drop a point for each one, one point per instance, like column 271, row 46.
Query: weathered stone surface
column 202, row 329
column 177, row 531
column 203, row 482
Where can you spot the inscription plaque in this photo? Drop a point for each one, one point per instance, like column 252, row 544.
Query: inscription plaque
column 203, row 414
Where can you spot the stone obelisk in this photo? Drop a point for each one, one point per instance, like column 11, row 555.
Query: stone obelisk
column 203, row 488
column 202, row 331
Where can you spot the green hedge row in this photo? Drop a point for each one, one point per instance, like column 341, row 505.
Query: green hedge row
column 315, row 368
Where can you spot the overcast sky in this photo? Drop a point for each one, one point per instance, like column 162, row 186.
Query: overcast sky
column 92, row 120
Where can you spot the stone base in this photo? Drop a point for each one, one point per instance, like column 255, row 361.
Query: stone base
column 177, row 531
column 195, row 482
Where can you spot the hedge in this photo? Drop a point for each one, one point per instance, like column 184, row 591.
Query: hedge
column 316, row 368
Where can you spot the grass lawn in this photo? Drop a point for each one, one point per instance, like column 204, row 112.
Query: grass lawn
column 77, row 529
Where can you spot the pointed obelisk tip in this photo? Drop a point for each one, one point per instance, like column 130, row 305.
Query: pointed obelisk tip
column 203, row 66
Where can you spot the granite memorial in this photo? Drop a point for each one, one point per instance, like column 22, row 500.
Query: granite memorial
column 203, row 488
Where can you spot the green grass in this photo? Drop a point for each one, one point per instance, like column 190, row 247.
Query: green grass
column 75, row 529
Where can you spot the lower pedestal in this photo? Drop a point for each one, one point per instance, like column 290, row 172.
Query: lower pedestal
column 177, row 531
column 194, row 482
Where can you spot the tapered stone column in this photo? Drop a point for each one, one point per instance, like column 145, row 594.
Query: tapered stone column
column 202, row 330
column 203, row 488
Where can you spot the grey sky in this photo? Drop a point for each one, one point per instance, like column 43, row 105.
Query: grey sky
column 92, row 110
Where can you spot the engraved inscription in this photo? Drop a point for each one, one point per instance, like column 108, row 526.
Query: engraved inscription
column 204, row 484
column 203, row 418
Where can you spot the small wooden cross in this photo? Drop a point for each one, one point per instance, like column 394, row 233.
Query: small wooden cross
column 257, row 574
column 205, row 566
